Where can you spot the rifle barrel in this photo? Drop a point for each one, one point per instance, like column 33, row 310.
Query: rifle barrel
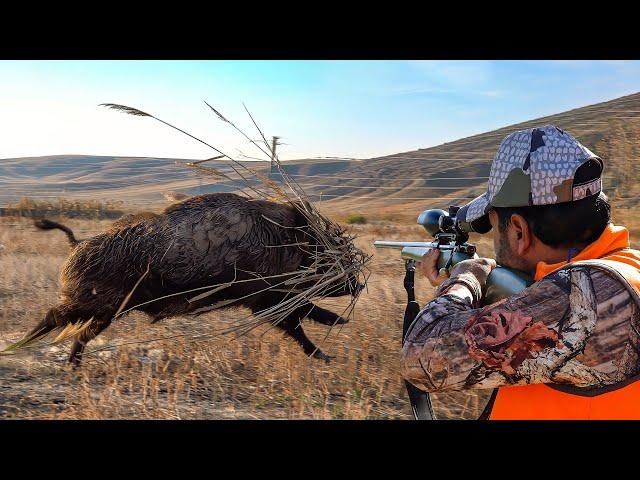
column 400, row 245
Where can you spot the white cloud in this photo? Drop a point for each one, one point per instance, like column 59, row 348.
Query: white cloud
column 429, row 77
column 461, row 75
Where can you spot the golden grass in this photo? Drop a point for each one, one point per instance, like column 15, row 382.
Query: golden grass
column 254, row 376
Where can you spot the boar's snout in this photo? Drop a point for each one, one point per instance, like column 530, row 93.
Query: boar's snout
column 351, row 287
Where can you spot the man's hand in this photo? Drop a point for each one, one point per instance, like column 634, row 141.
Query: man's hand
column 478, row 267
column 429, row 269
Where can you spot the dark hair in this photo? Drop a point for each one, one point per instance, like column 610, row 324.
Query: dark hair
column 565, row 224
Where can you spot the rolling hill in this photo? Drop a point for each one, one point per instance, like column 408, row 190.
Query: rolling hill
column 403, row 183
column 419, row 179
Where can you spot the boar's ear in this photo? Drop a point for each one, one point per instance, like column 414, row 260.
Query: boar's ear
column 302, row 204
column 301, row 220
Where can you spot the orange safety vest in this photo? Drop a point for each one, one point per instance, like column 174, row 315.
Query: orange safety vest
column 541, row 402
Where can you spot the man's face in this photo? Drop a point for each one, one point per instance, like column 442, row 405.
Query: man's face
column 505, row 245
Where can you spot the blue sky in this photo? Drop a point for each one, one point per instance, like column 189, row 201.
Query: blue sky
column 320, row 108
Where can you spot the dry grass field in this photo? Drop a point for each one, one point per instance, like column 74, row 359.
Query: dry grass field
column 138, row 374
column 163, row 371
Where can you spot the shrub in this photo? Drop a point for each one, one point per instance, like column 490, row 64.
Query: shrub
column 356, row 218
column 28, row 207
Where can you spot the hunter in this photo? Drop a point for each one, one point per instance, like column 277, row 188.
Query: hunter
column 568, row 346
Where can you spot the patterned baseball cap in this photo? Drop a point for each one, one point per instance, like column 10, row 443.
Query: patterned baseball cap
column 533, row 167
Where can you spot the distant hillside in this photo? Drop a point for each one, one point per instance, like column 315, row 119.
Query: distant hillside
column 100, row 177
column 137, row 180
column 458, row 169
column 404, row 182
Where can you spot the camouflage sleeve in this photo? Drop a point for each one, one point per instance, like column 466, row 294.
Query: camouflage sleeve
column 578, row 326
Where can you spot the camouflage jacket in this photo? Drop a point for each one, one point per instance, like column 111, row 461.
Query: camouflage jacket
column 577, row 326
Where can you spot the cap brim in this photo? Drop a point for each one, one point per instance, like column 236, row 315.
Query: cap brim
column 476, row 213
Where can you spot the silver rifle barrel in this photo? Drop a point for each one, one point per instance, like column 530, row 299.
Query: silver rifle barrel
column 416, row 250
column 412, row 250
column 400, row 245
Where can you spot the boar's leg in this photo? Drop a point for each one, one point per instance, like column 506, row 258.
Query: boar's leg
column 293, row 327
column 291, row 323
column 325, row 317
column 88, row 334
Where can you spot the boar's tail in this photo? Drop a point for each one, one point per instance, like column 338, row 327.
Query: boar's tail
column 45, row 224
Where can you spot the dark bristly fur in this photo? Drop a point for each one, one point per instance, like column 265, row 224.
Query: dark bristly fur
column 206, row 240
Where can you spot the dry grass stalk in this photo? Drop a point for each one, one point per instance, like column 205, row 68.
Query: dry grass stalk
column 338, row 259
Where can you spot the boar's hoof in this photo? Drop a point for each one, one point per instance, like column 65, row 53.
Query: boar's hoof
column 320, row 355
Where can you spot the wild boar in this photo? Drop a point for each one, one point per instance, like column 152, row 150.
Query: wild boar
column 212, row 239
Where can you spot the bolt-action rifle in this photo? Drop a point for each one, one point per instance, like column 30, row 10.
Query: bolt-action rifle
column 450, row 237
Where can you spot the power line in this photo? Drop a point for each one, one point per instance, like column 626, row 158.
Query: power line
column 187, row 176
column 107, row 192
column 382, row 197
column 389, row 179
column 395, row 198
column 386, row 179
column 198, row 182
column 409, row 187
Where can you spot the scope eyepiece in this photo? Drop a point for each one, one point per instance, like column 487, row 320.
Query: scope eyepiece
column 447, row 224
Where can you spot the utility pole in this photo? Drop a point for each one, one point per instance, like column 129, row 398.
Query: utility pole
column 274, row 143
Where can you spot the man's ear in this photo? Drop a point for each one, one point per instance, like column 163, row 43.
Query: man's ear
column 522, row 233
